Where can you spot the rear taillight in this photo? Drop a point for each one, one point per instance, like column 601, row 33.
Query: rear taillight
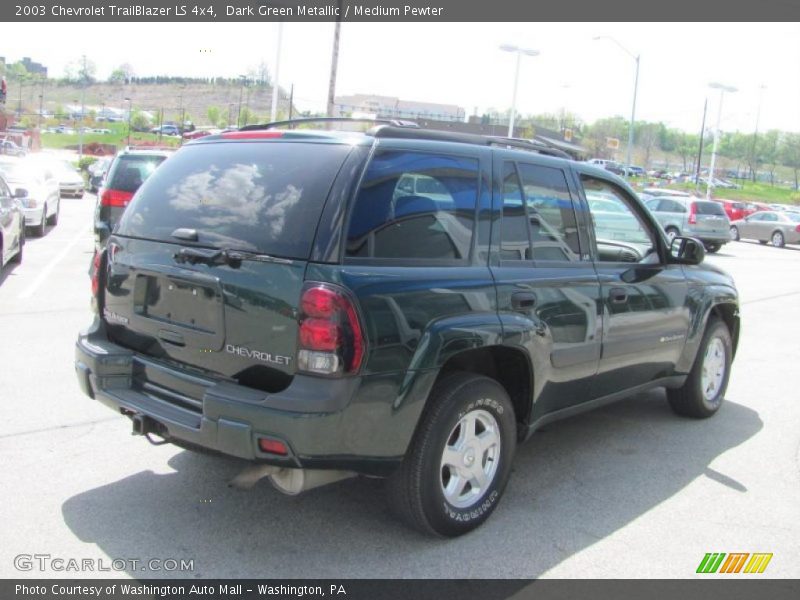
column 692, row 213
column 97, row 279
column 116, row 198
column 797, row 229
column 331, row 340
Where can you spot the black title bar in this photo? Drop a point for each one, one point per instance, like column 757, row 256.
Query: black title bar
column 396, row 11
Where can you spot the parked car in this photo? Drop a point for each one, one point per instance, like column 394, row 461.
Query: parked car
column 37, row 190
column 97, row 172
column 703, row 219
column 128, row 170
column 12, row 226
column 70, row 180
column 780, row 228
column 657, row 191
column 166, row 130
column 9, row 148
column 197, row 133
column 736, row 210
column 634, row 171
column 276, row 296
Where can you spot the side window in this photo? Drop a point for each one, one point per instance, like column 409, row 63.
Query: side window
column 771, row 217
column 553, row 225
column 516, row 244
column 671, row 206
column 620, row 233
column 415, row 205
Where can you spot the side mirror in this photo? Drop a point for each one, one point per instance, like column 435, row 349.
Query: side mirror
column 20, row 193
column 687, row 251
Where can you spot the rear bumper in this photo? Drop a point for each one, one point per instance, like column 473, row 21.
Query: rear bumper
column 348, row 423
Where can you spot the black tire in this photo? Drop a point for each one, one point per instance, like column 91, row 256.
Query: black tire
column 735, row 233
column 777, row 239
column 690, row 399
column 416, row 491
column 762, row 242
column 40, row 229
column 712, row 248
column 53, row 220
column 18, row 256
column 671, row 233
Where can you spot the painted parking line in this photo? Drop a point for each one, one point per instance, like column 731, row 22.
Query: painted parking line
column 45, row 273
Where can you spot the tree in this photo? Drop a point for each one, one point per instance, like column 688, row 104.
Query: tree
column 80, row 71
column 789, row 153
column 213, row 114
column 139, row 122
column 596, row 135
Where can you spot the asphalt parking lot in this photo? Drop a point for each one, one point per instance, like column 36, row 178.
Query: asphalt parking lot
column 627, row 491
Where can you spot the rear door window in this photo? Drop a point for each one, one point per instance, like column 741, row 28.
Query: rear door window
column 258, row 197
column 415, row 205
column 709, row 208
column 132, row 170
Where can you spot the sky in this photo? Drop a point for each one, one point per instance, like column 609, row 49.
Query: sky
column 461, row 63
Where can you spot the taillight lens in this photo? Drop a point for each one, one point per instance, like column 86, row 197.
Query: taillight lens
column 797, row 229
column 692, row 213
column 116, row 198
column 331, row 337
column 97, row 279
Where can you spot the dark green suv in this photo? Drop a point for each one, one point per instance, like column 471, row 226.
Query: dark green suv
column 400, row 303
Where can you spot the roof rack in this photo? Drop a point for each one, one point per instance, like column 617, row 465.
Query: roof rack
column 291, row 123
column 398, row 128
column 467, row 138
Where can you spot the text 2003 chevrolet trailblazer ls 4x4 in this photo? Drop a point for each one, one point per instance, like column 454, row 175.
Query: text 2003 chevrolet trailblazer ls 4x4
column 403, row 303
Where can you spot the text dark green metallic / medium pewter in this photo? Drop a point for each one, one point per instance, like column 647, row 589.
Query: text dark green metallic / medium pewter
column 404, row 303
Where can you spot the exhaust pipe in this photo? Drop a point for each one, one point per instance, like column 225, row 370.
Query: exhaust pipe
column 288, row 481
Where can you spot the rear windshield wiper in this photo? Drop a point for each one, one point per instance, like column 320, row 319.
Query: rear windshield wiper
column 223, row 256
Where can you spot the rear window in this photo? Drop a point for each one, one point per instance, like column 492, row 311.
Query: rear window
column 709, row 208
column 132, row 170
column 259, row 197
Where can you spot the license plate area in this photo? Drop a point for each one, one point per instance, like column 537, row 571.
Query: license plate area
column 178, row 302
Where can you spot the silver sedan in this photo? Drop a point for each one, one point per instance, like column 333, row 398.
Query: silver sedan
column 780, row 228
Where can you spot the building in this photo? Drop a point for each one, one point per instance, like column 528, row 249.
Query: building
column 391, row 107
column 34, row 67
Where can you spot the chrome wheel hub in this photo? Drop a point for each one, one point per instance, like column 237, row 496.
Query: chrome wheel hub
column 713, row 370
column 470, row 458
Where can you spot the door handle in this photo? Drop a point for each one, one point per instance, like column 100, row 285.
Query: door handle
column 618, row 295
column 523, row 300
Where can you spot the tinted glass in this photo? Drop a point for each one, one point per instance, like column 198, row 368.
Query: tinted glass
column 709, row 208
column 416, row 206
column 553, row 227
column 261, row 197
column 515, row 244
column 671, row 206
column 131, row 171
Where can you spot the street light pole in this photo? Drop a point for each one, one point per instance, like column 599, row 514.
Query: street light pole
column 636, row 58
column 722, row 89
column 241, row 89
column 519, row 52
column 755, row 132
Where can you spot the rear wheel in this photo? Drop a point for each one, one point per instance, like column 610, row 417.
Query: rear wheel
column 672, row 233
column 459, row 461
column 777, row 239
column 712, row 248
column 702, row 393
column 735, row 233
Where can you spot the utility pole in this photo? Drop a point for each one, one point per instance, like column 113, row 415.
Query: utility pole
column 273, row 115
column 291, row 101
column 334, row 61
column 83, row 110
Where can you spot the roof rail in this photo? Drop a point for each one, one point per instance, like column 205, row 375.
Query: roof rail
column 467, row 138
column 291, row 123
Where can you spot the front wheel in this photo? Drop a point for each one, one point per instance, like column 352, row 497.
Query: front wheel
column 459, row 461
column 712, row 248
column 777, row 239
column 701, row 395
column 672, row 233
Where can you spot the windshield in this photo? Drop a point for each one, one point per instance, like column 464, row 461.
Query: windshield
column 260, row 197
